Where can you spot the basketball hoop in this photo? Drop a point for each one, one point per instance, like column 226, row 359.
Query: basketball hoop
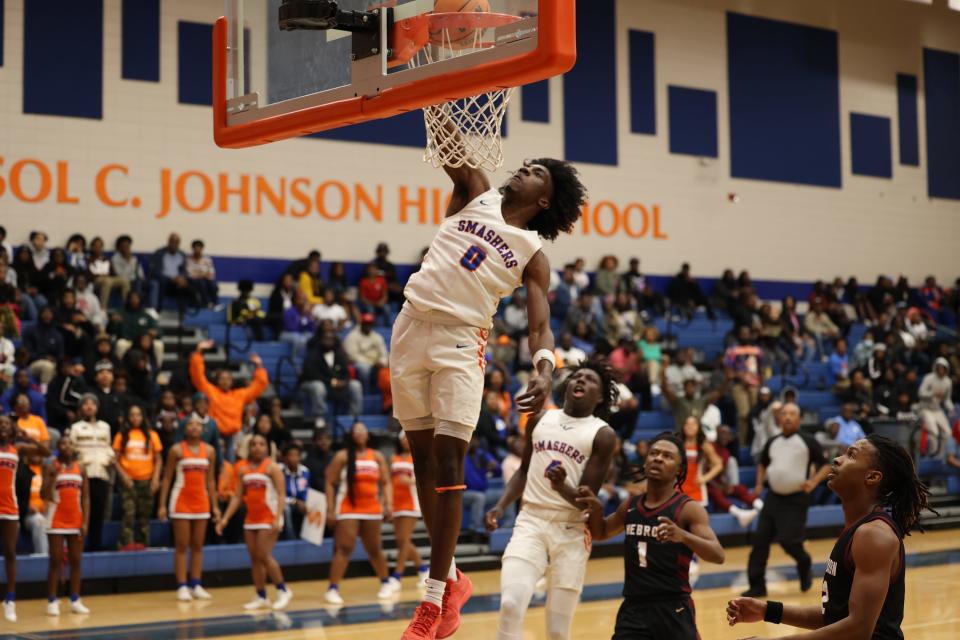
column 477, row 119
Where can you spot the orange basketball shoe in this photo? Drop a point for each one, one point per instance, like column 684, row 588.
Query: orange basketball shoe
column 454, row 597
column 426, row 619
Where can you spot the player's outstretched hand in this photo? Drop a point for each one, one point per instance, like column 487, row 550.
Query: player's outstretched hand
column 745, row 610
column 492, row 519
column 533, row 399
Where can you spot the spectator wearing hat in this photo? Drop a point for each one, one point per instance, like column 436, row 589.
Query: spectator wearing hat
column 91, row 439
column 63, row 394
column 246, row 310
column 227, row 403
column 936, row 392
column 112, row 407
column 744, row 363
column 202, row 276
column 366, row 349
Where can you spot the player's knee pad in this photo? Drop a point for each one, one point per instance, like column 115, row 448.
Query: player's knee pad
column 418, row 424
column 454, row 430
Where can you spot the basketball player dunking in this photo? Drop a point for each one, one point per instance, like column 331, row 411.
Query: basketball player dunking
column 562, row 450
column 488, row 246
column 863, row 587
column 664, row 528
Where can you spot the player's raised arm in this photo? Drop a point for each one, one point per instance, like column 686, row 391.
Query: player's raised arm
column 468, row 183
column 536, row 278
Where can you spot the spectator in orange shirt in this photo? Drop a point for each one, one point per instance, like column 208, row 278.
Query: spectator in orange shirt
column 138, row 464
column 227, row 403
column 32, row 425
column 373, row 293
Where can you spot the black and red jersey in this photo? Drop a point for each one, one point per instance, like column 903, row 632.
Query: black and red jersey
column 654, row 569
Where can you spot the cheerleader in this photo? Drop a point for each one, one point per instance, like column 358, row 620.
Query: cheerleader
column 358, row 477
column 261, row 486
column 192, row 498
column 406, row 512
column 67, row 492
column 14, row 443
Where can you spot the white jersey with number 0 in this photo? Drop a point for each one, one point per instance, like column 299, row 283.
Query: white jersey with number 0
column 475, row 260
column 559, row 438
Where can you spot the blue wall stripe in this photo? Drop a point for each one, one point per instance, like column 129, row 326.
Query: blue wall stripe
column 590, row 88
column 535, row 102
column 871, row 153
column 140, row 41
column 643, row 89
column 941, row 70
column 693, row 121
column 784, row 92
column 195, row 62
column 1, row 33
column 907, row 121
column 63, row 58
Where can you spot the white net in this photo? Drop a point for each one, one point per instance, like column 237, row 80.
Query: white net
column 464, row 132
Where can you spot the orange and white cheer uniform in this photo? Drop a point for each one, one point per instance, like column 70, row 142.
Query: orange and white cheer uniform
column 259, row 495
column 189, row 499
column 65, row 511
column 9, row 460
column 365, row 504
column 405, row 500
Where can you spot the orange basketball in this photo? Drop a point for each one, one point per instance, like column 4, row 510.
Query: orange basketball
column 458, row 35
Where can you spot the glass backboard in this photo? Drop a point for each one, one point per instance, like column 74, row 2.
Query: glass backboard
column 277, row 75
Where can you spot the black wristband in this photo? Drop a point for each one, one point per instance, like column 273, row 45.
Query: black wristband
column 774, row 612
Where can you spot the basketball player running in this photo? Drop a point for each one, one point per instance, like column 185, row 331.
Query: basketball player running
column 563, row 449
column 863, row 586
column 664, row 528
column 488, row 246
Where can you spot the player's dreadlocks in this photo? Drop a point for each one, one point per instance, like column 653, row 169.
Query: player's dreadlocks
column 608, row 386
column 569, row 194
column 677, row 441
column 901, row 491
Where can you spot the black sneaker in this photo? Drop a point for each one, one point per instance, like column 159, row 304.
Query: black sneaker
column 755, row 592
column 806, row 579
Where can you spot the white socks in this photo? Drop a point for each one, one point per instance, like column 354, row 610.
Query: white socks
column 434, row 594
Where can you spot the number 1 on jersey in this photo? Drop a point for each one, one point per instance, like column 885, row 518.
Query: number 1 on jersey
column 473, row 258
column 642, row 554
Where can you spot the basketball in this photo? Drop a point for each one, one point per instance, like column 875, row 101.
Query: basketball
column 461, row 35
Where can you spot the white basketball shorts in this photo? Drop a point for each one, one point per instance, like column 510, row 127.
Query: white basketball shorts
column 436, row 370
column 552, row 542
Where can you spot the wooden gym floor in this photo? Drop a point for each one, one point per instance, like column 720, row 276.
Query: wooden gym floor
column 932, row 607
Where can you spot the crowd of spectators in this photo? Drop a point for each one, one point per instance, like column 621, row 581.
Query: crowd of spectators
column 82, row 356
